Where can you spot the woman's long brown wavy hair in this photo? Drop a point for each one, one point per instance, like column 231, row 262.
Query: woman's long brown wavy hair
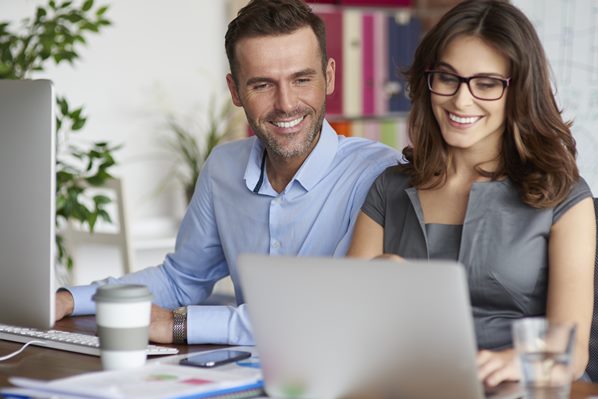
column 538, row 150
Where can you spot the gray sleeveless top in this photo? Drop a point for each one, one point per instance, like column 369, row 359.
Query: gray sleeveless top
column 503, row 245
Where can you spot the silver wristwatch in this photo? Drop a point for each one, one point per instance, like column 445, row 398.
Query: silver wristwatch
column 179, row 328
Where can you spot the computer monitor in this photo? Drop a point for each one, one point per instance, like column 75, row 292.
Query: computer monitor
column 27, row 203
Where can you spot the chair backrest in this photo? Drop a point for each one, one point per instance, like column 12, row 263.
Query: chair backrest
column 592, row 369
column 76, row 238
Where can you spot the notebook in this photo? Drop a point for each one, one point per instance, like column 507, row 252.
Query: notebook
column 156, row 380
column 347, row 328
column 27, row 186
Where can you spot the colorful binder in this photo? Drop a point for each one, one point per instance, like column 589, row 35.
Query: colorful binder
column 380, row 63
column 333, row 19
column 371, row 129
column 403, row 36
column 389, row 133
column 341, row 127
column 352, row 63
column 368, row 65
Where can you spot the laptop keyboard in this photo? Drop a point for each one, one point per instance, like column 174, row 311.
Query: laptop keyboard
column 67, row 341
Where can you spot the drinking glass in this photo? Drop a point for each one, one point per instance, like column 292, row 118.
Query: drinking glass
column 545, row 350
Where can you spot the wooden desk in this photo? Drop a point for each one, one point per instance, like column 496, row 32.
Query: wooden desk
column 48, row 364
column 42, row 363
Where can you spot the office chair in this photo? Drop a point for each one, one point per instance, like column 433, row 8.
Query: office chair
column 592, row 369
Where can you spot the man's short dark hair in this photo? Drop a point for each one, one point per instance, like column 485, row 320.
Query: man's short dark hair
column 272, row 18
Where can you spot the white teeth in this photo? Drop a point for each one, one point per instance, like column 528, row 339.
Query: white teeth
column 464, row 121
column 289, row 124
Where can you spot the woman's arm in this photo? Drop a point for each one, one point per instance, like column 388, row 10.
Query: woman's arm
column 368, row 238
column 571, row 252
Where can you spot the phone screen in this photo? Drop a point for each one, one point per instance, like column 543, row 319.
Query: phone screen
column 216, row 358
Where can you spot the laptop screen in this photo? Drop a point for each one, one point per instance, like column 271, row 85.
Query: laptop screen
column 337, row 327
column 27, row 209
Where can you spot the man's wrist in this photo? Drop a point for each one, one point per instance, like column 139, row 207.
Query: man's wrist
column 67, row 302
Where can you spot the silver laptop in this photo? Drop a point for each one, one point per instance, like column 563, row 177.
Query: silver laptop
column 335, row 328
column 27, row 185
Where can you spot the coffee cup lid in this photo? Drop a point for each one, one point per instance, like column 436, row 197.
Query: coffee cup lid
column 122, row 293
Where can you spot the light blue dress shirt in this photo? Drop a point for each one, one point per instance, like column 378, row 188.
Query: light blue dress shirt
column 314, row 215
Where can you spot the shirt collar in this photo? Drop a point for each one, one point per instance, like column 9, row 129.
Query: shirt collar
column 254, row 164
column 311, row 171
column 317, row 163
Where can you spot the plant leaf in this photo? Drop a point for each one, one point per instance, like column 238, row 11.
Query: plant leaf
column 101, row 200
column 79, row 123
column 102, row 10
column 87, row 5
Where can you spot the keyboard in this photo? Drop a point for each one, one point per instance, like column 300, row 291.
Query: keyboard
column 67, row 341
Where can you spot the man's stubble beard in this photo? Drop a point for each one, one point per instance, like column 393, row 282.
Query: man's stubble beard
column 277, row 148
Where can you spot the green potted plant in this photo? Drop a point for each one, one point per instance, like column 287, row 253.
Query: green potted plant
column 54, row 35
column 192, row 143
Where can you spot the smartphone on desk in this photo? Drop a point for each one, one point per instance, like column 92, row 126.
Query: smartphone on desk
column 215, row 358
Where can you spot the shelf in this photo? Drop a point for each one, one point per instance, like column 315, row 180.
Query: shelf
column 394, row 115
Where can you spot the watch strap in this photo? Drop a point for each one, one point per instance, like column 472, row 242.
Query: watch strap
column 179, row 327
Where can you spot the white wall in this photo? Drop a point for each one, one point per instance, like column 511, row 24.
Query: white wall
column 159, row 56
column 569, row 32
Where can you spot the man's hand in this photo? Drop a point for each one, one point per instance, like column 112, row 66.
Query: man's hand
column 64, row 304
column 496, row 367
column 161, row 324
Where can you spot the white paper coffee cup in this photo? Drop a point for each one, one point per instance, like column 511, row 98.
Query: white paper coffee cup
column 122, row 316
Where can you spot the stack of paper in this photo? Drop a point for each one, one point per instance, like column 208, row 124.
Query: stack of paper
column 155, row 380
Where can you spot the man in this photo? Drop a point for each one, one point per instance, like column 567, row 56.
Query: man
column 294, row 189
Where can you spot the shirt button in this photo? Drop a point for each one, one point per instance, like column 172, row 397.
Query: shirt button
column 276, row 201
column 275, row 244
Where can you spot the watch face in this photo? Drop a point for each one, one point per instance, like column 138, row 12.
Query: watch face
column 182, row 310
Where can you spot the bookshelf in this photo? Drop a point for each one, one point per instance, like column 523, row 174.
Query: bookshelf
column 371, row 41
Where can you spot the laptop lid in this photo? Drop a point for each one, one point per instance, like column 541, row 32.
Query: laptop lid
column 27, row 185
column 332, row 328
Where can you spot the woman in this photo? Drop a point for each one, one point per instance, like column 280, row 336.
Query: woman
column 491, row 182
